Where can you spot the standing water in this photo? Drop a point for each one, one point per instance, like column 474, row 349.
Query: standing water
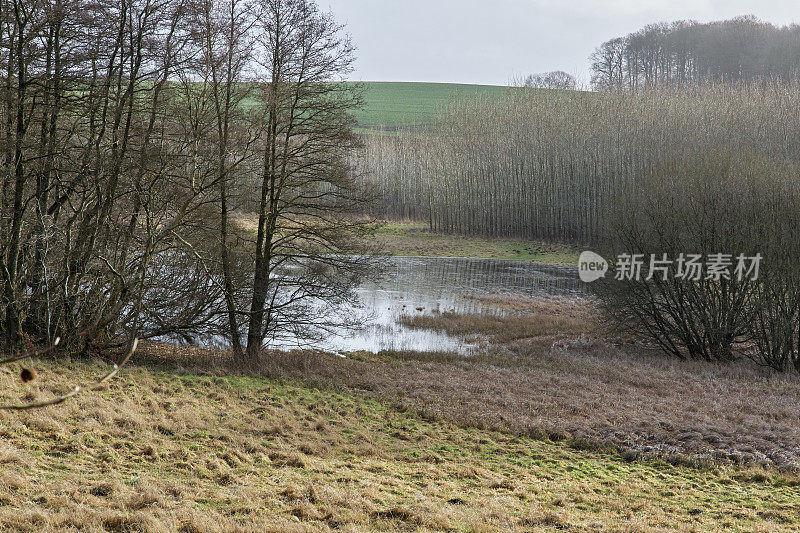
column 431, row 285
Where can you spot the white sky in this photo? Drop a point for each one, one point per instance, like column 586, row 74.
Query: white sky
column 494, row 41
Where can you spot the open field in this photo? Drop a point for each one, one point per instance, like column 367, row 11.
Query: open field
column 408, row 238
column 205, row 452
column 414, row 239
column 390, row 105
column 549, row 372
column 562, row 380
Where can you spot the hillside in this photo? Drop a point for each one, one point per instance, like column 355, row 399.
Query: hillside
column 393, row 104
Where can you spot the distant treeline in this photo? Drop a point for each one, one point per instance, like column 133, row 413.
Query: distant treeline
column 731, row 51
column 546, row 165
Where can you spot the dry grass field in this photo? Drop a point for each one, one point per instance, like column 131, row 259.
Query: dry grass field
column 545, row 371
column 556, row 429
column 162, row 452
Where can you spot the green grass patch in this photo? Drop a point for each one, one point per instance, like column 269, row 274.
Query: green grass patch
column 414, row 239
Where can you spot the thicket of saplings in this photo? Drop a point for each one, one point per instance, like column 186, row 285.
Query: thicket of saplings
column 545, row 165
column 711, row 203
column 711, row 169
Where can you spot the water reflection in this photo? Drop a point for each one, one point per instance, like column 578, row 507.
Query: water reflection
column 429, row 285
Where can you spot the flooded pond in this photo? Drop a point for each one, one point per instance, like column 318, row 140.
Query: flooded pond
column 431, row 285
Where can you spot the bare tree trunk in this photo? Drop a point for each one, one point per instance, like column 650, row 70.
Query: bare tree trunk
column 40, row 311
column 306, row 187
column 13, row 327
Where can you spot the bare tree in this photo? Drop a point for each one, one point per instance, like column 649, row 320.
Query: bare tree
column 742, row 49
column 608, row 65
column 557, row 79
column 306, row 187
column 135, row 132
column 94, row 189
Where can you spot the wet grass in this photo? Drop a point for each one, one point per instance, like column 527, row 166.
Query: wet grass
column 414, row 239
column 157, row 451
column 410, row 238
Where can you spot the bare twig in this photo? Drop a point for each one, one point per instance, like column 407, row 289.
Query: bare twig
column 77, row 389
column 34, row 353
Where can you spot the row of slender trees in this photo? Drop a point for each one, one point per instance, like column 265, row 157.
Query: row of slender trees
column 135, row 133
column 683, row 52
column 710, row 169
column 541, row 165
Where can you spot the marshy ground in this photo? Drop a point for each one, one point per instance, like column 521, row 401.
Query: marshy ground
column 414, row 238
column 411, row 238
column 550, row 426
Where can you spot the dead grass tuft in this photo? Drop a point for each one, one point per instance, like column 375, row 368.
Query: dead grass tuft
column 143, row 498
column 521, row 318
column 401, row 514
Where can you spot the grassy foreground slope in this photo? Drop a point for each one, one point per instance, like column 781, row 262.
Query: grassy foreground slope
column 394, row 104
column 159, row 452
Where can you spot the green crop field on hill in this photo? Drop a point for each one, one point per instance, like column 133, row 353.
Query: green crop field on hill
column 391, row 105
column 394, row 104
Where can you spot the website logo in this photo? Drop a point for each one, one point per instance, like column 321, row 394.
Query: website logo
column 591, row 267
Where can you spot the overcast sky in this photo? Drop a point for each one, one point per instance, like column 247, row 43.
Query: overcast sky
column 494, row 41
